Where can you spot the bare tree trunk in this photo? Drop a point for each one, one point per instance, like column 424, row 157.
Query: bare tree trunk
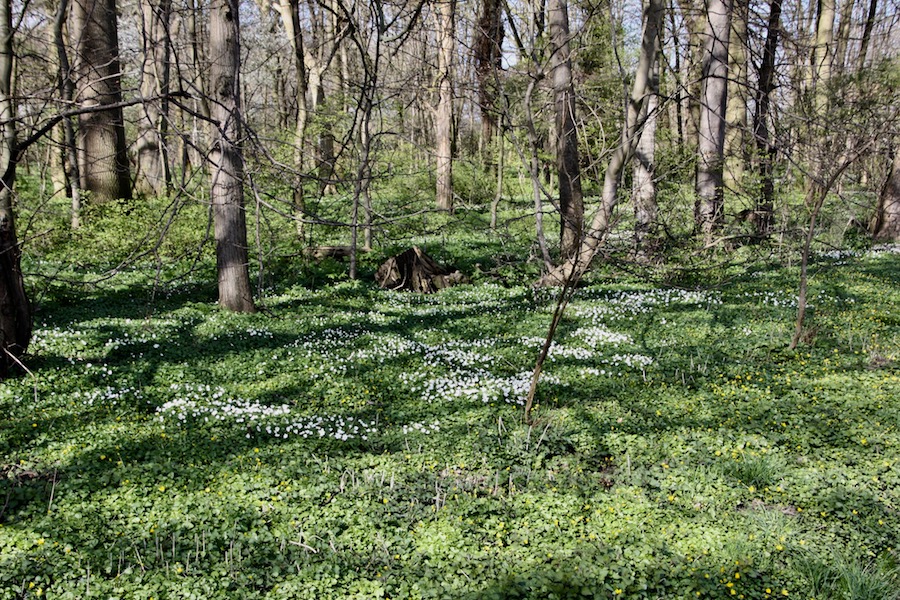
column 694, row 16
column 103, row 154
column 823, row 54
column 765, row 150
column 571, row 201
column 154, row 174
column 487, row 50
column 577, row 265
column 710, row 197
column 67, row 94
column 867, row 35
column 226, row 159
column 736, row 109
column 443, row 119
column 535, row 171
column 290, row 19
column 15, row 309
column 644, row 185
column 843, row 38
column 887, row 217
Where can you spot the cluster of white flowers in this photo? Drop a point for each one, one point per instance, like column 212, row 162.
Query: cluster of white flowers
column 595, row 336
column 423, row 428
column 107, row 396
column 480, row 386
column 211, row 405
column 873, row 251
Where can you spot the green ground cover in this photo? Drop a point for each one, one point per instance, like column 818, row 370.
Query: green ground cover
column 348, row 442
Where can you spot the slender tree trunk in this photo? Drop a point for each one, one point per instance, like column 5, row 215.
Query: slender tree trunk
column 290, row 19
column 66, row 87
column 887, row 217
column 103, row 154
column 867, row 35
column 535, row 172
column 823, row 54
column 154, row 175
column 226, row 160
column 644, row 185
column 15, row 309
column 694, row 16
column 443, row 120
column 765, row 150
column 487, row 50
column 571, row 201
column 736, row 109
column 631, row 130
column 710, row 196
column 843, row 38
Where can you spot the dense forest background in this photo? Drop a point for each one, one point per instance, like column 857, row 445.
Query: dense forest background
column 153, row 133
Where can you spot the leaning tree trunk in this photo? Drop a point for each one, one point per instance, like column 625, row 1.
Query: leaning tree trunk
column 226, row 159
column 443, row 118
column 15, row 310
column 571, row 201
column 887, row 217
column 152, row 152
column 103, row 153
column 573, row 268
column 710, row 192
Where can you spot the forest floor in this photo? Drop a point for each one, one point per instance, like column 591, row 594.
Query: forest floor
column 348, row 442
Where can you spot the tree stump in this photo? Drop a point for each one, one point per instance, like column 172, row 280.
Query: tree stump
column 415, row 271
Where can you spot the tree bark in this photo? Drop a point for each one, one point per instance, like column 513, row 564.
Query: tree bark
column 765, row 150
column 571, row 201
column 573, row 268
column 710, row 196
column 887, row 216
column 823, row 53
column 66, row 87
column 154, row 174
column 443, row 119
column 102, row 150
column 289, row 10
column 226, row 159
column 487, row 50
column 867, row 35
column 736, row 108
column 15, row 309
column 644, row 185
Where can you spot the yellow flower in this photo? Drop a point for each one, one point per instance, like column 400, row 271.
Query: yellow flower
column 618, row 591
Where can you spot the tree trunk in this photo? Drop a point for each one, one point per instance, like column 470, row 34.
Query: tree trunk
column 843, row 38
column 867, row 35
column 290, row 19
column 710, row 197
column 487, row 50
column 15, row 310
column 443, row 119
column 573, row 268
column 226, row 159
column 887, row 217
column 736, row 109
column 154, row 175
column 644, row 186
column 571, row 202
column 67, row 94
column 765, row 150
column 103, row 153
column 823, row 54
